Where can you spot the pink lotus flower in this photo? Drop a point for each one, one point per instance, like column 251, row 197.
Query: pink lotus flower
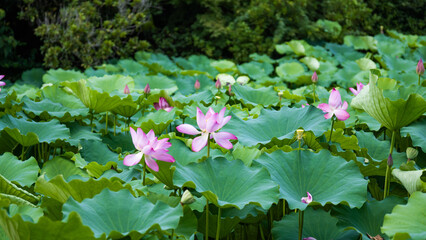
column 147, row 89
column 209, row 124
column 126, row 90
column 1, row 82
column 335, row 106
column 197, row 85
column 359, row 87
column 420, row 69
column 303, row 105
column 218, row 84
column 314, row 77
column 149, row 146
column 307, row 199
column 163, row 104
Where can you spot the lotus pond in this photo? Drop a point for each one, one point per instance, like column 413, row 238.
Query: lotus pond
column 195, row 148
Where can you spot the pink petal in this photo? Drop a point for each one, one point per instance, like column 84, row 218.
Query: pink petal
column 307, row 199
column 2, row 83
column 132, row 159
column 334, row 100
column 1, row 77
column 344, row 105
column 157, row 106
column 222, row 138
column 359, row 86
column 341, row 114
column 162, row 156
column 209, row 113
column 187, row 129
column 325, row 107
column 151, row 163
column 162, row 144
column 328, row 115
column 151, row 135
column 212, row 124
column 139, row 139
column 221, row 115
column 201, row 119
column 224, row 121
column 355, row 92
column 199, row 142
column 168, row 109
column 148, row 150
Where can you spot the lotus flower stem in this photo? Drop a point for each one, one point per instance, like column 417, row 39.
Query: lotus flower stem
column 419, row 79
column 301, row 213
column 388, row 168
column 261, row 232
column 283, row 207
column 313, row 92
column 173, row 233
column 91, row 120
column 115, row 122
column 106, row 122
column 207, row 220
column 23, row 153
column 144, row 172
column 218, row 223
column 331, row 130
column 208, row 145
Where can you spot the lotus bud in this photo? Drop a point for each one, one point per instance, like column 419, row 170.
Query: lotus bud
column 420, row 69
column 314, row 77
column 126, row 90
column 366, row 161
column 390, row 160
column 218, row 84
column 280, row 94
column 381, row 30
column 187, row 198
column 217, row 97
column 230, row 90
column 411, row 153
column 147, row 89
column 197, row 85
column 299, row 133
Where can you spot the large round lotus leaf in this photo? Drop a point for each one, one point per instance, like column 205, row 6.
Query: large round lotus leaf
column 311, row 62
column 33, row 76
column 417, row 133
column 157, row 121
column 317, row 224
column 329, row 179
column 23, row 172
column 58, row 95
column 409, row 179
column 390, row 46
column 92, row 99
column 290, row 71
column 97, row 151
column 343, row 53
column 57, row 188
column 264, row 96
column 280, row 124
column 14, row 194
column 111, row 83
column 256, row 70
column 61, row 166
column 407, row 219
column 157, row 62
column 393, row 114
column 46, row 110
column 365, row 64
column 224, row 66
column 60, row 75
column 126, row 108
column 298, row 47
column 205, row 97
column 156, row 83
column 131, row 66
column 45, row 229
column 228, row 183
column 369, row 218
column 30, row 133
column 197, row 62
column 400, row 65
column 117, row 214
column 186, row 83
column 78, row 133
column 361, row 42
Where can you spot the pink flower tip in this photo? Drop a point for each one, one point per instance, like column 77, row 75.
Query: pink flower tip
column 303, row 105
column 307, row 199
column 163, row 104
column 197, row 85
column 126, row 90
column 1, row 77
column 314, row 77
column 147, row 89
column 420, row 69
column 309, row 238
column 218, row 84
column 359, row 87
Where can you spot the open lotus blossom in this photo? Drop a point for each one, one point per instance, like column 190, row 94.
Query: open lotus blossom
column 163, row 104
column 209, row 125
column 359, row 87
column 307, row 199
column 126, row 90
column 1, row 82
column 335, row 106
column 150, row 147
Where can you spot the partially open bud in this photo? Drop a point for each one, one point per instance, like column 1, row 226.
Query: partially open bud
column 126, row 90
column 314, row 77
column 411, row 153
column 187, row 198
column 299, row 133
column 390, row 160
column 218, row 84
column 197, row 85
column 147, row 89
column 420, row 69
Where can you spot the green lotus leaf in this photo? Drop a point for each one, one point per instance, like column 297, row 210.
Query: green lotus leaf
column 265, row 128
column 346, row 142
column 200, row 97
column 245, row 154
column 117, row 214
column 312, row 63
column 187, row 224
column 46, row 110
column 409, row 179
column 25, row 90
column 197, row 62
column 110, row 83
column 79, row 133
column 389, row 46
column 157, row 121
column 97, row 151
column 184, row 155
column 400, row 65
column 45, row 229
column 364, row 118
column 264, row 96
column 290, row 71
column 30, row 133
column 343, row 53
column 299, row 47
column 361, row 42
column 126, row 108
column 23, row 172
column 329, row 27
column 92, row 99
column 131, row 66
column 33, row 77
column 15, row 194
column 327, row 178
column 227, row 225
column 96, row 170
column 224, row 66
column 417, row 133
column 59, row 95
column 393, row 114
column 60, row 75
column 365, row 64
column 61, row 166
column 283, row 48
column 212, row 177
column 29, row 213
column 57, row 188
column 368, row 218
column 256, row 70
column 157, row 62
column 407, row 219
column 156, row 83
column 186, row 83
column 317, row 224
column 119, row 143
